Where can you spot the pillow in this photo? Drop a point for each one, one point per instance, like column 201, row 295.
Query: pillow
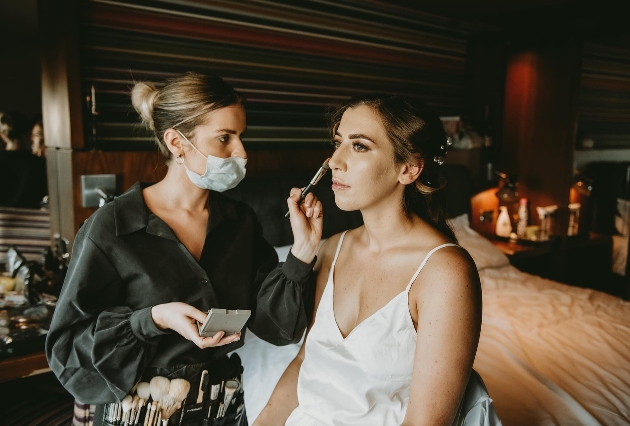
column 483, row 252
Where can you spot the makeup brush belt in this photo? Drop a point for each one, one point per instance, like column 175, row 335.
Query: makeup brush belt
column 215, row 398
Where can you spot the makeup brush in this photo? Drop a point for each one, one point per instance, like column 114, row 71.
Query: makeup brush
column 159, row 386
column 126, row 406
column 321, row 172
column 231, row 386
column 144, row 392
column 178, row 391
column 132, row 412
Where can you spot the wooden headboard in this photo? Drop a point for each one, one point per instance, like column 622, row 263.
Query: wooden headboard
column 267, row 195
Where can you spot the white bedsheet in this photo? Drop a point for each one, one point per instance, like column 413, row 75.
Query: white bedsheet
column 552, row 354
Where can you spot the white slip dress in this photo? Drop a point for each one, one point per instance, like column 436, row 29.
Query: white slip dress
column 365, row 378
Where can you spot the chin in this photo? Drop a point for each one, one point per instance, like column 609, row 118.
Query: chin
column 346, row 204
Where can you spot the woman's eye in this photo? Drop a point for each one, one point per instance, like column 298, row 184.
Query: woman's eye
column 359, row 147
column 224, row 138
column 335, row 144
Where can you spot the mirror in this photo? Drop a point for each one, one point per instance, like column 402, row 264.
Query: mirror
column 24, row 220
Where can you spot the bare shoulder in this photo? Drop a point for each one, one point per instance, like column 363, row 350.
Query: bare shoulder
column 450, row 272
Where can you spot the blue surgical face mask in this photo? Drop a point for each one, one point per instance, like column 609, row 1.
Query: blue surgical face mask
column 221, row 173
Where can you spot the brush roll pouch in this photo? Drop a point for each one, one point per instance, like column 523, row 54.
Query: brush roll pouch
column 193, row 413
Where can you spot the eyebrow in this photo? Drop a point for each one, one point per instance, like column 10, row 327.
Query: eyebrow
column 231, row 131
column 358, row 136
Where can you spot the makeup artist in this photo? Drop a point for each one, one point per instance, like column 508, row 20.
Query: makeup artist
column 148, row 265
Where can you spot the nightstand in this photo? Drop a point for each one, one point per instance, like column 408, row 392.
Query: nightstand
column 532, row 257
column 586, row 260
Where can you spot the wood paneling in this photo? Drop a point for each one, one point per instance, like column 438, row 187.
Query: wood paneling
column 540, row 118
column 291, row 60
column 604, row 107
column 61, row 82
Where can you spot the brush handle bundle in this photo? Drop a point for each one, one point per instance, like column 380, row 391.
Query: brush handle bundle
column 161, row 397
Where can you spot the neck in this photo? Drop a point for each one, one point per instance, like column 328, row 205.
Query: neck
column 387, row 224
column 178, row 192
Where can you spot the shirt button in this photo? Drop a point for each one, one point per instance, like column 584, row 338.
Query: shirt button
column 204, row 281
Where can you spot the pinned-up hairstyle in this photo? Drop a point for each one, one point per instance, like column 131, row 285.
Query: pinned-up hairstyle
column 414, row 129
column 181, row 103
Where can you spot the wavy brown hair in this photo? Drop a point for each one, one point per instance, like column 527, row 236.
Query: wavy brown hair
column 414, row 129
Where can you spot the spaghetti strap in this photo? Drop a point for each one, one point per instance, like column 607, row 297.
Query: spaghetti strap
column 343, row 234
column 426, row 259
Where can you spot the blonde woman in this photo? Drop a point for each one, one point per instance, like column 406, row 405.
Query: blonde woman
column 147, row 267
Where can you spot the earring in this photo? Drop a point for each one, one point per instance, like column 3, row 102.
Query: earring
column 180, row 159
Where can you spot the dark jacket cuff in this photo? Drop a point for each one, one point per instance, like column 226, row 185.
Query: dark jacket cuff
column 143, row 326
column 296, row 270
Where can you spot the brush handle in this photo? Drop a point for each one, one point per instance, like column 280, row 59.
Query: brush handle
column 302, row 197
column 203, row 384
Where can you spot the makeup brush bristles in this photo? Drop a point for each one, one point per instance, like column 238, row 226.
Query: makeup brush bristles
column 144, row 390
column 126, row 406
column 325, row 165
column 178, row 391
column 159, row 390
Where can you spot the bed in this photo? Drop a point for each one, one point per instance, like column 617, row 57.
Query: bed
column 549, row 354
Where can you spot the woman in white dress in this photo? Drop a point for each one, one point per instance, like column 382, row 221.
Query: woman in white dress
column 398, row 302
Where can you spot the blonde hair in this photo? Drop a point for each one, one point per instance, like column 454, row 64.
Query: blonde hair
column 181, row 103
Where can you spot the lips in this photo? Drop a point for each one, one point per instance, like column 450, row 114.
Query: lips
column 338, row 185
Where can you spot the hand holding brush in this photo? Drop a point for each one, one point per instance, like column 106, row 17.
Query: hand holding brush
column 320, row 173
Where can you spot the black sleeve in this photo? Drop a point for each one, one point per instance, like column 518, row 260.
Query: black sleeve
column 96, row 346
column 282, row 294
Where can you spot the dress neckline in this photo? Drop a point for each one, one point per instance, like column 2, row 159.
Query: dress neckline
column 331, row 285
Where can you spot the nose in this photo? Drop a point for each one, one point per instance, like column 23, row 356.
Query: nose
column 238, row 150
column 337, row 160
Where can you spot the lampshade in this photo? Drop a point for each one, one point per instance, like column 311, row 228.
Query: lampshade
column 508, row 192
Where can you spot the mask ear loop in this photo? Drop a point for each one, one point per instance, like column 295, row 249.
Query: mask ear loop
column 191, row 144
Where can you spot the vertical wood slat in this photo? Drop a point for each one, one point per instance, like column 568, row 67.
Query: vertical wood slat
column 540, row 118
column 604, row 107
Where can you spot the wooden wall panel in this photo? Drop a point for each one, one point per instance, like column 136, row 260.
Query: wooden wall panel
column 291, row 60
column 604, row 107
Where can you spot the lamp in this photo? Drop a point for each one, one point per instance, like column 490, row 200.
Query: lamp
column 507, row 192
column 581, row 184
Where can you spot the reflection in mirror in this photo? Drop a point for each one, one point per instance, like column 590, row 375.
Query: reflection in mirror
column 24, row 218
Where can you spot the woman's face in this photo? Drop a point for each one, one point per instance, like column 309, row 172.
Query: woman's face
column 219, row 136
column 37, row 140
column 363, row 168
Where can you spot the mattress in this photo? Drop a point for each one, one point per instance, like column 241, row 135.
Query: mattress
column 552, row 354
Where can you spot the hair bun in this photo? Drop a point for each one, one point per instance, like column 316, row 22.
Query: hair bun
column 143, row 99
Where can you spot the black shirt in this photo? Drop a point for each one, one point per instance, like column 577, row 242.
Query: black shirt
column 125, row 260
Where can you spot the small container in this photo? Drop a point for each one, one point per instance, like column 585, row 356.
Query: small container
column 504, row 225
column 574, row 219
column 521, row 224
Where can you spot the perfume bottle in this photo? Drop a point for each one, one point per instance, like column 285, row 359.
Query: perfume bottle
column 504, row 225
